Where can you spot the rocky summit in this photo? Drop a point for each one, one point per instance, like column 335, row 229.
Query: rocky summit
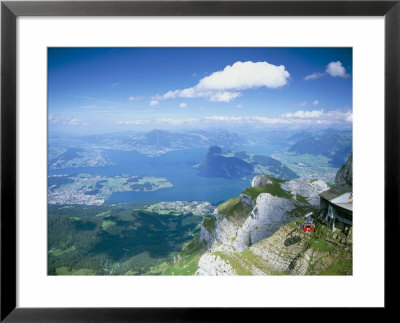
column 260, row 211
column 258, row 233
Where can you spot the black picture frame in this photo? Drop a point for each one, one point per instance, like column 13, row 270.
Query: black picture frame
column 10, row 10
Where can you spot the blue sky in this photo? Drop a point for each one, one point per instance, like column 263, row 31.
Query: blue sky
column 94, row 90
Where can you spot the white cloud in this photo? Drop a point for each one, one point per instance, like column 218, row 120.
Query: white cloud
column 298, row 118
column 224, row 96
column 349, row 117
column 316, row 102
column 115, row 84
column 154, row 102
column 68, row 121
column 158, row 121
column 314, row 76
column 304, row 114
column 321, row 117
column 224, row 118
column 183, row 105
column 77, row 122
column 239, row 106
column 224, row 86
column 135, row 98
column 336, row 69
column 134, row 122
column 246, row 75
column 52, row 119
column 73, row 122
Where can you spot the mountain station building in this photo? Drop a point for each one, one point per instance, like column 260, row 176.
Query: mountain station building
column 336, row 208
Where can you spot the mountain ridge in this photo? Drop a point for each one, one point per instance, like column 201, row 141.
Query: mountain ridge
column 220, row 163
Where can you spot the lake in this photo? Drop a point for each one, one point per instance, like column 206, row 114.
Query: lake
column 176, row 166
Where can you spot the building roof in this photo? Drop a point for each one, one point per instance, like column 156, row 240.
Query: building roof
column 334, row 192
column 346, row 206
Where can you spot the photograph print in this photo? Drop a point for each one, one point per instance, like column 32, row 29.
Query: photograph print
column 200, row 161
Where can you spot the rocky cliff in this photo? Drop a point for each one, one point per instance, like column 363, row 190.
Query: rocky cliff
column 344, row 176
column 260, row 211
column 258, row 228
column 289, row 251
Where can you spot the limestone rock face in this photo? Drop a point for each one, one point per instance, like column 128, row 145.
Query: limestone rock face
column 306, row 188
column 247, row 200
column 213, row 265
column 281, row 254
column 266, row 215
column 223, row 234
column 287, row 251
column 260, row 237
column 207, row 236
column 260, row 181
column 344, row 176
column 269, row 214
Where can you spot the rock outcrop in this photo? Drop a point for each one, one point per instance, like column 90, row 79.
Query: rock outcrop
column 344, row 176
column 221, row 237
column 288, row 251
column 268, row 215
column 256, row 215
column 247, row 200
column 214, row 265
column 258, row 233
column 261, row 181
column 307, row 189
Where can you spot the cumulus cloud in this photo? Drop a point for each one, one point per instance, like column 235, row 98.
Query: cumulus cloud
column 316, row 102
column 183, row 105
column 154, row 102
column 336, row 69
column 246, row 75
column 224, row 96
column 225, row 85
